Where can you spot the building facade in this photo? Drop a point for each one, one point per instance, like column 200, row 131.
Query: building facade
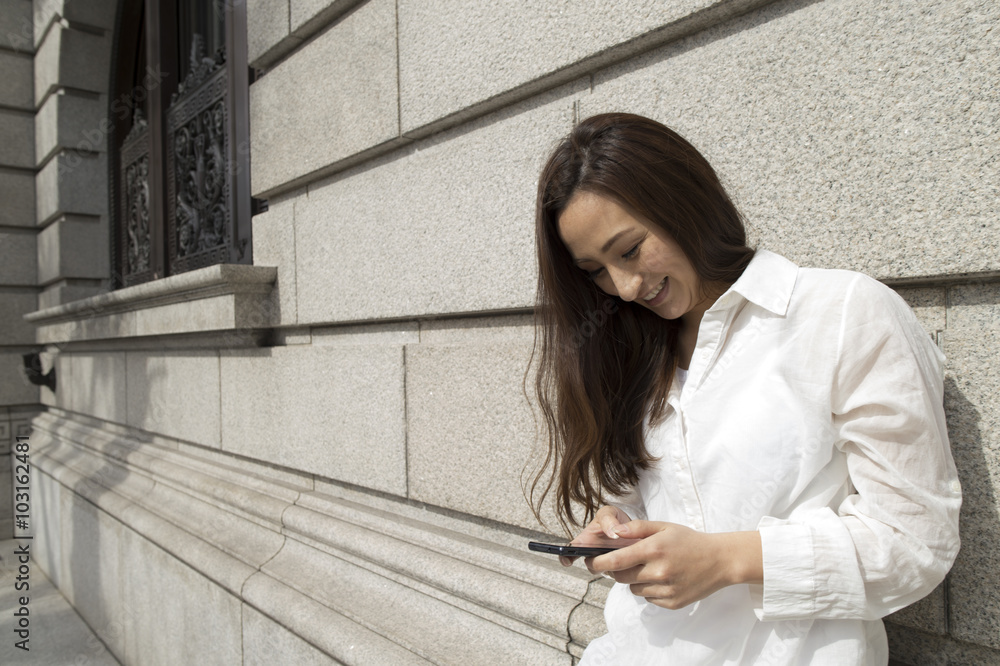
column 313, row 452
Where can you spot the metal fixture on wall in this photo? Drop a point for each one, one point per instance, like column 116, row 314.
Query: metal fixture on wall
column 33, row 371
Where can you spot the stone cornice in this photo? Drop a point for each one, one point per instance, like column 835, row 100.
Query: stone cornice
column 215, row 298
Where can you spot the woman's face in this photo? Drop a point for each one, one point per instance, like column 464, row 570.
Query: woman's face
column 630, row 258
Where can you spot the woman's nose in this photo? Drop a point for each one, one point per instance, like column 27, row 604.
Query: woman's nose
column 627, row 284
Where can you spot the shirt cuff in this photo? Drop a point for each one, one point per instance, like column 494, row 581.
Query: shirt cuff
column 789, row 571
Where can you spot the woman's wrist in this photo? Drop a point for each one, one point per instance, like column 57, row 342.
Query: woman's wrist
column 743, row 558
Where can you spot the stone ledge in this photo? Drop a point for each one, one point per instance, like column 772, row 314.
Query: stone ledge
column 214, row 298
column 274, row 547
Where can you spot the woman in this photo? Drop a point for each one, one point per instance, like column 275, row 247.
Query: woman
column 774, row 435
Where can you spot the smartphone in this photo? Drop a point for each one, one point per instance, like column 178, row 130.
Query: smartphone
column 576, row 551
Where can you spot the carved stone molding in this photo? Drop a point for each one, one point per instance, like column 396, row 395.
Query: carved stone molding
column 387, row 581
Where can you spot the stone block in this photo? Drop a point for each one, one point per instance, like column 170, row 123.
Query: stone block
column 852, row 134
column 6, row 489
column 69, row 121
column 21, row 420
column 929, row 304
column 267, row 25
column 72, row 183
column 339, row 635
column 266, row 642
column 47, row 506
column 972, row 401
column 334, row 411
column 17, row 131
column 94, row 384
column 16, row 29
column 18, row 258
column 18, row 76
column 13, row 329
column 908, row 647
column 471, row 437
column 175, row 394
column 73, row 247
column 6, row 438
column 328, row 101
column 308, row 16
column 444, row 226
column 58, row 634
column 65, row 291
column 92, row 575
column 586, row 621
column 195, row 621
column 274, row 245
column 71, row 58
column 454, row 54
column 928, row 614
column 17, row 191
column 92, row 13
column 434, row 629
column 15, row 389
column 204, row 314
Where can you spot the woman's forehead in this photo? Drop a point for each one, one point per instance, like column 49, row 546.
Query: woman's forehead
column 591, row 222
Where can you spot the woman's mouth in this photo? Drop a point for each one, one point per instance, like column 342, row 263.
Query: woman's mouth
column 656, row 296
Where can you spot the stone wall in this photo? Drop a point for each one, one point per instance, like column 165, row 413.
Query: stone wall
column 19, row 237
column 322, row 453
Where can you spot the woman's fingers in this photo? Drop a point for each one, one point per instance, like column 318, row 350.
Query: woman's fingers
column 610, row 519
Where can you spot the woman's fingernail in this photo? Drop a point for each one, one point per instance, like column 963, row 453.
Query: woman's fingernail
column 619, row 529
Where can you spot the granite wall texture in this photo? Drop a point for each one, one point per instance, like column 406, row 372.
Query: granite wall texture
column 398, row 144
column 19, row 238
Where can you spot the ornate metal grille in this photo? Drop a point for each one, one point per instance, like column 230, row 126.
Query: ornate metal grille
column 181, row 177
column 199, row 195
column 134, row 232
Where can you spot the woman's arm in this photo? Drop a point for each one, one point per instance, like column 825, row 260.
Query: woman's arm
column 893, row 539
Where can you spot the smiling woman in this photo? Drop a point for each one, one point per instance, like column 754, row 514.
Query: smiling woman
column 773, row 436
column 623, row 174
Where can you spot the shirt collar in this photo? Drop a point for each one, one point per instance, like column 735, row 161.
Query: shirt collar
column 767, row 281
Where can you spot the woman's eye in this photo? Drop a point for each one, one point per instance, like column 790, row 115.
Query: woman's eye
column 633, row 252
column 593, row 275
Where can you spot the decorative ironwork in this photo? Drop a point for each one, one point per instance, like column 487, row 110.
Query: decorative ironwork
column 200, row 67
column 134, row 202
column 199, row 158
column 137, row 215
column 139, row 124
column 199, row 197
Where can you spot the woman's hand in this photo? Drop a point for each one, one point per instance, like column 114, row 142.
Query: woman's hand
column 674, row 566
column 602, row 527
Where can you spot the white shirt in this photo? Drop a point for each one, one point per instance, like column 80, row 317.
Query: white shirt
column 812, row 412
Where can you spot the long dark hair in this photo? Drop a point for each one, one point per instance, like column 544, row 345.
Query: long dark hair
column 604, row 363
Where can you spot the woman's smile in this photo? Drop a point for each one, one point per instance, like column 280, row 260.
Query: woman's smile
column 658, row 295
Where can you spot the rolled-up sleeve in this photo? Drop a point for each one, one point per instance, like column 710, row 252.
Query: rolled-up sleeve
column 893, row 539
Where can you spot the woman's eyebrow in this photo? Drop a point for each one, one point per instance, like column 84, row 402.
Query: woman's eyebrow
column 607, row 246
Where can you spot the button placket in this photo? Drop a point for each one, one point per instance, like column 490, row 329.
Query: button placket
column 685, row 478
